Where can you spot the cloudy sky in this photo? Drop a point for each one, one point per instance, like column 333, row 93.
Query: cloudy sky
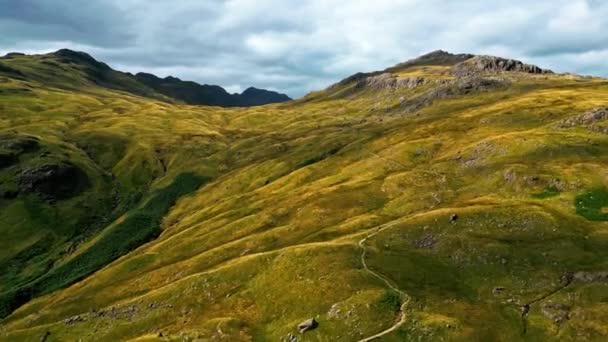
column 296, row 46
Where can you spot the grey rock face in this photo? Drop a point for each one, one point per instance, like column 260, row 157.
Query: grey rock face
column 390, row 81
column 491, row 64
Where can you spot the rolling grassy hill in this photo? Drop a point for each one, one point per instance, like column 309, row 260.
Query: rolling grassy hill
column 452, row 197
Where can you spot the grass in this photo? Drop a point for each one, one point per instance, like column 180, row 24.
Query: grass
column 286, row 193
column 138, row 227
column 550, row 191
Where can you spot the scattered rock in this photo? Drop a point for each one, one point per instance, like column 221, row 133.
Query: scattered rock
column 594, row 115
column 54, row 181
column 307, row 325
column 290, row 338
column 587, row 119
column 556, row 312
column 426, row 242
column 73, row 320
column 590, row 277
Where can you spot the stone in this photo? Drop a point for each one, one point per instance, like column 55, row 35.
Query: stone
column 307, row 325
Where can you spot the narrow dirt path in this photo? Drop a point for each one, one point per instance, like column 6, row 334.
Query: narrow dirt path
column 405, row 298
column 525, row 309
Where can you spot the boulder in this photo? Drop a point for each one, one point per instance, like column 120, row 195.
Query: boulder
column 307, row 325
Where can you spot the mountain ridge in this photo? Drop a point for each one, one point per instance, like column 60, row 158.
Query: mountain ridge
column 475, row 64
column 145, row 84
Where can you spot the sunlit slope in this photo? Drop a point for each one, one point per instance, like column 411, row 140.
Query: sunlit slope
column 311, row 208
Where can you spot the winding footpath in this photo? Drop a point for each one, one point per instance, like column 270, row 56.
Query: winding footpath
column 404, row 296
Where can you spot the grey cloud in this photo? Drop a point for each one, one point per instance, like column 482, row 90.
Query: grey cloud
column 85, row 22
column 299, row 46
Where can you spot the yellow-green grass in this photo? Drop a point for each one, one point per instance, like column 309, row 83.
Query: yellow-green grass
column 273, row 238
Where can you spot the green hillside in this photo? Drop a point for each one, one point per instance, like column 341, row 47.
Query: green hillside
column 451, row 197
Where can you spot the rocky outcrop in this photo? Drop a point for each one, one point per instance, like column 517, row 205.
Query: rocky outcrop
column 392, row 82
column 594, row 115
column 588, row 119
column 491, row 64
column 55, row 181
column 458, row 87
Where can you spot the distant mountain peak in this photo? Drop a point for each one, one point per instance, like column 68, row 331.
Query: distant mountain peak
column 437, row 57
column 87, row 70
column 78, row 57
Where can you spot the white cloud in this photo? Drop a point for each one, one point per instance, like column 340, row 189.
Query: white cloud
column 298, row 46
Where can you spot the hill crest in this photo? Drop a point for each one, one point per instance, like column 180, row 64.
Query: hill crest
column 83, row 65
